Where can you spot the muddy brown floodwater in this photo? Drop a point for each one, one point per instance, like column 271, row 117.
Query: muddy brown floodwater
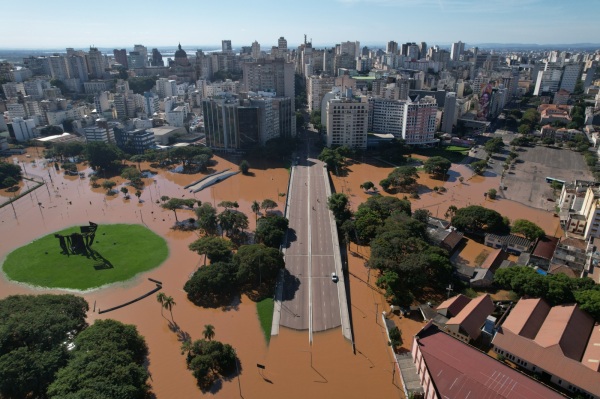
column 335, row 371
column 469, row 192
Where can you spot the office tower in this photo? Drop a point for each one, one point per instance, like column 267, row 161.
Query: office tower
column 136, row 60
column 143, row 51
column 23, row 129
column 269, row 75
column 226, row 46
column 570, row 76
column 121, row 57
column 450, row 114
column 422, row 50
column 95, row 63
column 392, row 47
column 59, row 68
column 221, row 122
column 347, row 120
column 157, row 60
column 282, row 43
column 255, row 51
column 457, row 49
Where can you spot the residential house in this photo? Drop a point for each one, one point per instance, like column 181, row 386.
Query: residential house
column 509, row 242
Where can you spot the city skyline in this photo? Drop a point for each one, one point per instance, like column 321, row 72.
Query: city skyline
column 325, row 22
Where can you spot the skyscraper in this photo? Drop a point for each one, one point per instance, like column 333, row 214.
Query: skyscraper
column 95, row 63
column 226, row 46
column 156, row 58
column 347, row 121
column 449, row 117
column 255, row 50
column 457, row 49
column 121, row 57
column 282, row 43
column 392, row 47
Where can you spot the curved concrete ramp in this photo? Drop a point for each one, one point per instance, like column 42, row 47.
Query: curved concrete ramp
column 214, row 179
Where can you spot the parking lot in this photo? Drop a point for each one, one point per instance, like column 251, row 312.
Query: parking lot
column 526, row 182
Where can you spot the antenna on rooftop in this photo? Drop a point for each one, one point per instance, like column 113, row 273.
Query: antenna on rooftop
column 449, row 289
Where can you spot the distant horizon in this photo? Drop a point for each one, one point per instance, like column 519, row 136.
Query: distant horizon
column 48, row 25
column 292, row 46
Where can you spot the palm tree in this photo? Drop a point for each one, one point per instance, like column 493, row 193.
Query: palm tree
column 209, row 332
column 168, row 304
column 186, row 347
column 161, row 297
column 255, row 208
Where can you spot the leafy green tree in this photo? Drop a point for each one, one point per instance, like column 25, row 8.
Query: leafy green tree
column 232, row 222
column 258, row 264
column 207, row 218
column 422, row 215
column 216, row 249
column 138, row 158
column 368, row 185
column 131, row 174
column 437, row 166
column 178, row 203
column 108, row 185
column 229, row 204
column 34, row 334
column 450, row 212
column 589, row 300
column 256, row 209
column 107, row 361
column 403, row 177
column 395, row 337
column 339, row 204
column 477, row 219
column 191, row 155
column 244, row 167
column 271, row 230
column 530, row 230
column 9, row 182
column 332, row 158
column 494, row 145
column 524, row 128
column 125, row 191
column 209, row 332
column 268, row 204
column 479, row 166
column 138, row 194
column 491, row 193
column 208, row 360
column 213, row 285
column 102, row 155
column 385, row 184
column 9, row 170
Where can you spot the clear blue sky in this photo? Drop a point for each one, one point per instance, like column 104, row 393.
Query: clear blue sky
column 108, row 23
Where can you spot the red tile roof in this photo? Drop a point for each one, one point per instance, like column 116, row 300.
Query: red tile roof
column 559, row 344
column 460, row 371
column 472, row 317
column 454, row 304
column 545, row 247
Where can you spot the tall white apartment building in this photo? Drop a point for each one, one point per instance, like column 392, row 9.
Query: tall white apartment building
column 457, row 49
column 23, row 129
column 316, row 88
column 413, row 121
column 347, row 121
column 166, row 87
column 99, row 133
column 255, row 50
column 549, row 79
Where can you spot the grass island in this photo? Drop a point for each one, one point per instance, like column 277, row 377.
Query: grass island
column 118, row 252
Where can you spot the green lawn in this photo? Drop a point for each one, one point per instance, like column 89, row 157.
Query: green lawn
column 120, row 250
column 454, row 156
column 265, row 315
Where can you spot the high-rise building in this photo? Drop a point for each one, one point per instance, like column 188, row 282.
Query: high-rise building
column 457, row 49
column 156, row 58
column 450, row 115
column 392, row 47
column 78, row 67
column 135, row 59
column 347, row 120
column 166, row 87
column 59, row 67
column 316, row 88
column 23, row 129
column 226, row 46
column 143, row 51
column 121, row 57
column 422, row 50
column 95, row 63
column 549, row 79
column 570, row 76
column 413, row 121
column 221, row 122
column 255, row 52
column 269, row 75
column 282, row 43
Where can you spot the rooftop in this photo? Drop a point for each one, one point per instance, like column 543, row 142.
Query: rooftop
column 460, row 371
column 545, row 247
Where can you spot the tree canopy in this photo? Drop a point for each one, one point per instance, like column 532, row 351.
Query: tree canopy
column 34, row 334
column 270, row 230
column 103, row 156
column 334, row 158
column 494, row 145
column 372, row 214
column 213, row 285
column 339, row 205
column 107, row 361
column 403, row 178
column 437, row 166
column 477, row 219
column 207, row 218
column 530, row 230
column 216, row 249
column 8, row 170
column 257, row 264
column 177, row 203
column 210, row 360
